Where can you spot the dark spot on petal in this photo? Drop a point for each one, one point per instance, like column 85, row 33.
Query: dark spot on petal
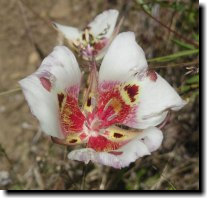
column 117, row 135
column 91, row 37
column 132, row 91
column 116, row 153
column 83, row 36
column 73, row 141
column 89, row 102
column 54, row 24
column 60, row 99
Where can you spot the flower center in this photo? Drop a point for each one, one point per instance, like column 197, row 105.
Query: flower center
column 88, row 44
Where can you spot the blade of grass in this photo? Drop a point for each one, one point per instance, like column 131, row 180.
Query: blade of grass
column 10, row 91
column 174, row 56
column 175, row 65
column 193, row 79
column 182, row 44
column 144, row 5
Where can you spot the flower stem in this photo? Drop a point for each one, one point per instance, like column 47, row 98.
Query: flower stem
column 10, row 91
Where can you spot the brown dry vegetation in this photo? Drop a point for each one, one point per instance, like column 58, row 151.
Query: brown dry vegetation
column 31, row 160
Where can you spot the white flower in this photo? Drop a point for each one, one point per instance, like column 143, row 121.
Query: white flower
column 127, row 93
column 95, row 38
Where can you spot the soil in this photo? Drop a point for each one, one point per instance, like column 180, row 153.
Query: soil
column 30, row 158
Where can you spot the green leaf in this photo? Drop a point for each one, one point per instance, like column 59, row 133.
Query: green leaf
column 141, row 173
column 182, row 44
column 171, row 188
column 196, row 36
column 185, row 88
column 195, row 94
column 144, row 5
column 152, row 180
column 193, row 79
column 174, row 56
column 178, row 6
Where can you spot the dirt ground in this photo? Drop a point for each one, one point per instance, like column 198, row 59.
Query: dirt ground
column 30, row 160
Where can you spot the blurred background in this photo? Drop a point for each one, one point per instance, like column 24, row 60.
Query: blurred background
column 168, row 31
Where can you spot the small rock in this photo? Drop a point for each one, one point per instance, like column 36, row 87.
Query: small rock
column 4, row 178
column 33, row 58
column 2, row 108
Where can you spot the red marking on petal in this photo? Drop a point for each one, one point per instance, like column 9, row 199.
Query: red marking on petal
column 116, row 153
column 82, row 136
column 101, row 143
column 72, row 118
column 132, row 91
column 111, row 107
column 152, row 75
column 46, row 83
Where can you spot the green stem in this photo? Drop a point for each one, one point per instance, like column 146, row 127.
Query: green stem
column 174, row 56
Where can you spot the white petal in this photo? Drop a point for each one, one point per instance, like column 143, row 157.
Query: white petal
column 71, row 33
column 130, row 152
column 88, row 154
column 62, row 64
column 61, row 68
column 152, row 137
column 105, row 20
column 155, row 98
column 123, row 58
column 42, row 104
column 147, row 141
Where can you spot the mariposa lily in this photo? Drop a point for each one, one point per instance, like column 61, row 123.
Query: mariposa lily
column 123, row 104
column 95, row 38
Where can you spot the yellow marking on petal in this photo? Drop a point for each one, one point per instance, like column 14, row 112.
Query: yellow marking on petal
column 116, row 134
column 67, row 111
column 116, row 104
column 130, row 92
column 66, row 119
column 73, row 138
